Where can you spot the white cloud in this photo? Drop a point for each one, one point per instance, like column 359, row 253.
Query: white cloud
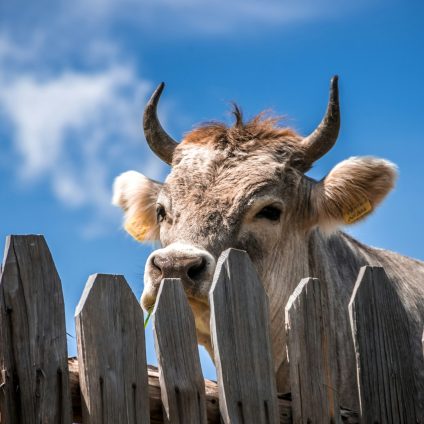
column 76, row 130
column 165, row 18
column 212, row 17
column 43, row 111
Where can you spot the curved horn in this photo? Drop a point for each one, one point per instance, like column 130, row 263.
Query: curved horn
column 159, row 141
column 325, row 135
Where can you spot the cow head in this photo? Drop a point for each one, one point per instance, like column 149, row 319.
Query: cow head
column 245, row 187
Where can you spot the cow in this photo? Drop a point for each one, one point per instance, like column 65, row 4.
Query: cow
column 245, row 187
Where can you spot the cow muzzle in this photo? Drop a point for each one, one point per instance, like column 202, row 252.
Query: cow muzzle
column 194, row 266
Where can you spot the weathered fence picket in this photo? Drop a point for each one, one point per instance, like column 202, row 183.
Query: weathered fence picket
column 182, row 387
column 33, row 354
column 311, row 348
column 241, row 341
column 381, row 337
column 111, row 353
column 155, row 400
column 117, row 387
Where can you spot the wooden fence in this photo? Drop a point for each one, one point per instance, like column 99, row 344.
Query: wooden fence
column 111, row 383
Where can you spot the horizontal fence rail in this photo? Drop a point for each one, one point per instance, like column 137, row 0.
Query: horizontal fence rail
column 110, row 382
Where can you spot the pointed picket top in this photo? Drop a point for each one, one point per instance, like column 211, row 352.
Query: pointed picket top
column 311, row 349
column 180, row 374
column 241, row 341
column 111, row 353
column 381, row 335
column 33, row 350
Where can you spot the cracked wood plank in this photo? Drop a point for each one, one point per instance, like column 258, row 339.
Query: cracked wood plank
column 33, row 352
column 311, row 354
column 111, row 353
column 383, row 351
column 212, row 400
column 180, row 373
column 241, row 342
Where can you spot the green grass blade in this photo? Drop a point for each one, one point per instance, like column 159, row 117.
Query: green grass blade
column 149, row 313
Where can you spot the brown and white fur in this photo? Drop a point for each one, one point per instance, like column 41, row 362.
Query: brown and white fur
column 226, row 187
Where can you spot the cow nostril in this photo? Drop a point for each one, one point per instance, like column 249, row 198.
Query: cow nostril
column 155, row 264
column 195, row 271
column 161, row 264
column 178, row 266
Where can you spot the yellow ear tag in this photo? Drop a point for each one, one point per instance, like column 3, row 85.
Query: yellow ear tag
column 136, row 228
column 357, row 213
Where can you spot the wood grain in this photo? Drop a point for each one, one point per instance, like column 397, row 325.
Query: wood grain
column 212, row 400
column 33, row 353
column 381, row 337
column 180, row 373
column 111, row 353
column 241, row 342
column 311, row 353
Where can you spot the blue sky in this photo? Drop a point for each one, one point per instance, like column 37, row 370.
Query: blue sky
column 74, row 78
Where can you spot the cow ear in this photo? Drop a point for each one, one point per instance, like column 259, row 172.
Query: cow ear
column 137, row 195
column 351, row 191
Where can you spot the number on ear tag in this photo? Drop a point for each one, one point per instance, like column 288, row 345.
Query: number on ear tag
column 136, row 228
column 357, row 213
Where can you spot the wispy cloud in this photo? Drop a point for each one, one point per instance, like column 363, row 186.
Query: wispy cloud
column 161, row 19
column 211, row 17
column 74, row 107
column 75, row 129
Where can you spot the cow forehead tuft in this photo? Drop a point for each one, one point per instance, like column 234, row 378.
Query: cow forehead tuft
column 259, row 131
column 253, row 142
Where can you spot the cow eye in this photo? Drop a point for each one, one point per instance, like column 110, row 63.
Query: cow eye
column 160, row 213
column 269, row 212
